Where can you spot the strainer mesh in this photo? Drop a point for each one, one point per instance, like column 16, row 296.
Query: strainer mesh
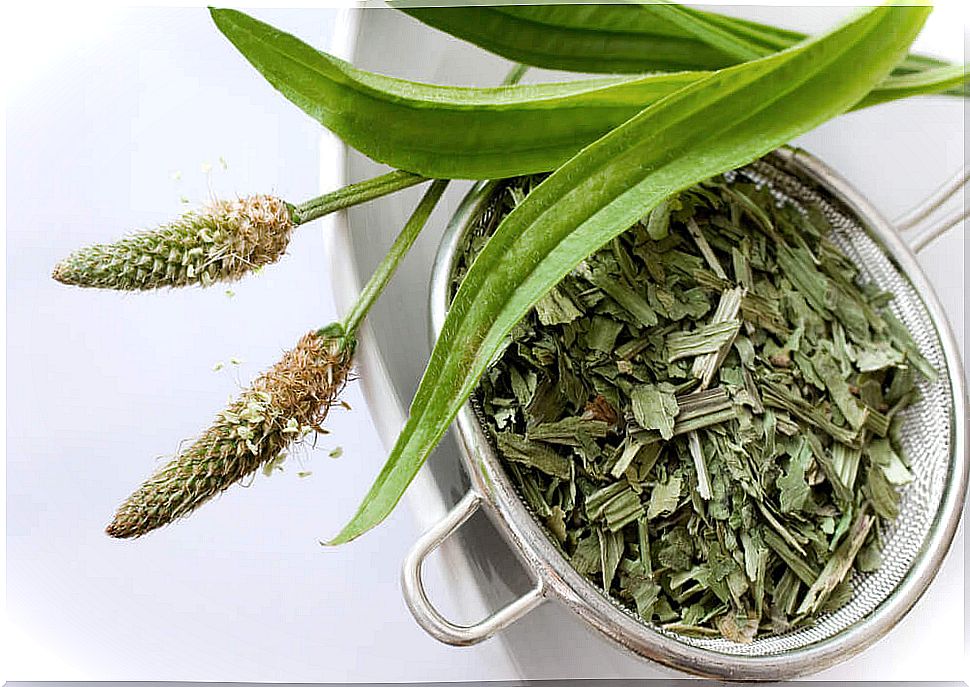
column 927, row 432
column 926, row 435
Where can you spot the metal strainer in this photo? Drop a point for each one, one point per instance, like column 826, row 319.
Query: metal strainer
column 933, row 437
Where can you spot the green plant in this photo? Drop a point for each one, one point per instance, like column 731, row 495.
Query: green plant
column 708, row 421
column 617, row 38
column 727, row 119
column 477, row 133
column 617, row 147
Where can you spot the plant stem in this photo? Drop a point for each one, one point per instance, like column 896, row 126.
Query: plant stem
column 515, row 74
column 386, row 268
column 353, row 194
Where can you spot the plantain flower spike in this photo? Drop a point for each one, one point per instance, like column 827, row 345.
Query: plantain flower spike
column 221, row 242
column 283, row 403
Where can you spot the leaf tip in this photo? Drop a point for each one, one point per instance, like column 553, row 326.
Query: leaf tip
column 367, row 517
column 219, row 14
column 342, row 537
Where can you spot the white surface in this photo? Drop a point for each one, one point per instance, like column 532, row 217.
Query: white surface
column 99, row 384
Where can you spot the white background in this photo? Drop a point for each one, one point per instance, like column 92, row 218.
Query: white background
column 101, row 386
column 112, row 117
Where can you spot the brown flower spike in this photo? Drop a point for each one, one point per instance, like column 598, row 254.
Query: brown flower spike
column 293, row 396
column 221, row 242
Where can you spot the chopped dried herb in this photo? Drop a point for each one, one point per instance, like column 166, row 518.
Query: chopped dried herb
column 701, row 414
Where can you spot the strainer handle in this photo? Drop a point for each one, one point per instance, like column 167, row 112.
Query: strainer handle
column 416, row 598
column 912, row 219
column 924, row 238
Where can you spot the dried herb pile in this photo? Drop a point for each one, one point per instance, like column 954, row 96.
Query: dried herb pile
column 705, row 413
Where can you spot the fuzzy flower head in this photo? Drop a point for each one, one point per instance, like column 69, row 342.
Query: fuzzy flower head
column 221, row 242
column 281, row 406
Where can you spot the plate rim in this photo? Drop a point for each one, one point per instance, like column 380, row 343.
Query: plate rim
column 424, row 500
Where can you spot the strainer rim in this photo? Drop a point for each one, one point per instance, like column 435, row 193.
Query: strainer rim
column 531, row 543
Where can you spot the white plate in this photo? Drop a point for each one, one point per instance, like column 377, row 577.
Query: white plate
column 895, row 153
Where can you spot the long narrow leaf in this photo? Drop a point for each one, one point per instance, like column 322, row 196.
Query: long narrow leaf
column 707, row 30
column 938, row 80
column 453, row 132
column 611, row 38
column 442, row 131
column 726, row 120
column 602, row 39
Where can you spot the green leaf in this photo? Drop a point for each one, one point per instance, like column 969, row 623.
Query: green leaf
column 521, row 450
column 828, row 371
column 456, row 132
column 664, row 497
column 570, row 431
column 838, row 565
column 645, row 593
column 719, row 123
column 608, row 39
column 443, row 131
column 708, row 338
column 625, row 38
column 655, row 407
column 705, row 28
column 586, row 557
column 557, row 308
column 950, row 79
column 793, row 489
column 892, row 466
column 797, row 562
column 611, row 550
column 877, row 356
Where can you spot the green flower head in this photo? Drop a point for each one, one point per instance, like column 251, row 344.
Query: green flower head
column 219, row 243
column 283, row 404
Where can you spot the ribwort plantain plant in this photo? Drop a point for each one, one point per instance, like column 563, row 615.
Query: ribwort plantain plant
column 616, row 148
column 282, row 405
column 221, row 242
